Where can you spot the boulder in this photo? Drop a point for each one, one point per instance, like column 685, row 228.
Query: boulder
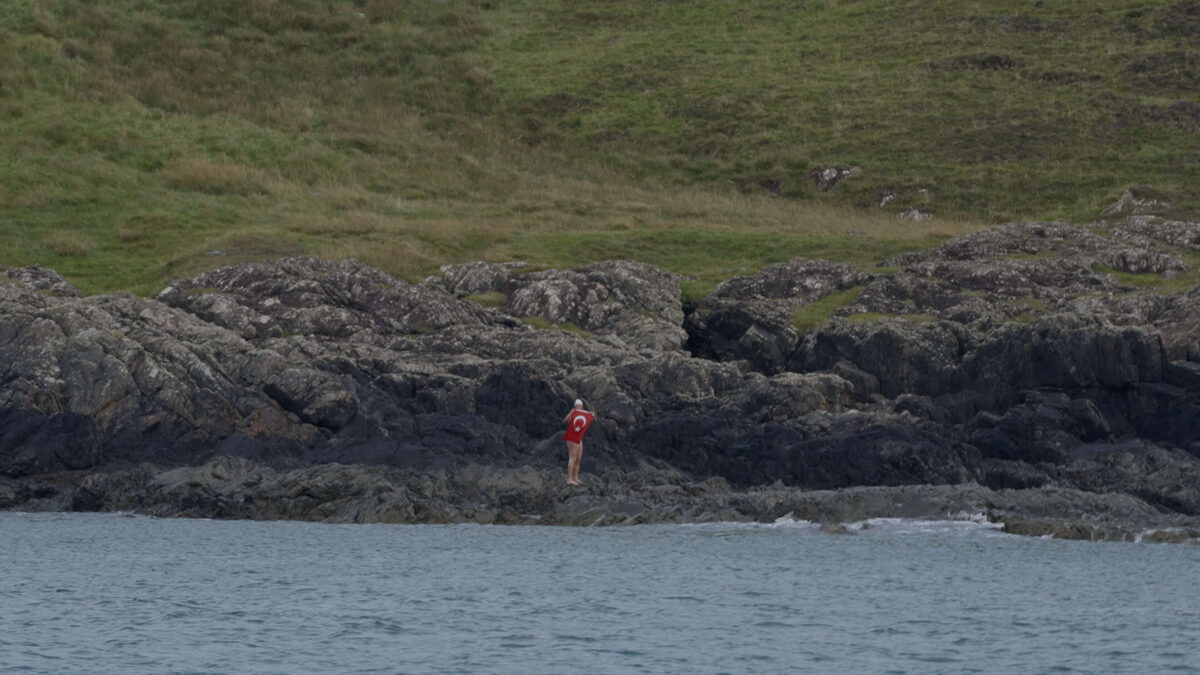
column 95, row 380
column 633, row 301
column 750, row 318
column 902, row 356
column 38, row 278
column 310, row 296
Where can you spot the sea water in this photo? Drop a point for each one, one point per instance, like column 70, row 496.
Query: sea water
column 120, row 594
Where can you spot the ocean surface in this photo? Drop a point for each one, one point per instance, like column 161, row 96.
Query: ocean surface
column 98, row 594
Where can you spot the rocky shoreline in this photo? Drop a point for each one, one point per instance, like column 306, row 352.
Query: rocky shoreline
column 1042, row 375
column 236, row 488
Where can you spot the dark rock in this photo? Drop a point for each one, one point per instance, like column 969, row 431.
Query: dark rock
column 757, row 332
column 981, row 61
column 903, row 356
column 1009, row 373
column 1000, row 474
column 90, row 381
column 1176, row 70
column 1042, row 430
column 1164, row 478
column 1066, row 352
column 790, row 395
column 864, row 384
column 750, row 318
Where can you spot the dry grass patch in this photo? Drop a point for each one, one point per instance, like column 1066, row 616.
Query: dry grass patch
column 348, row 197
column 141, row 226
column 68, row 243
column 403, row 258
column 355, row 223
column 130, row 233
column 217, row 178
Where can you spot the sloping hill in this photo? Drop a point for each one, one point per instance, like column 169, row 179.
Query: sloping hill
column 149, row 139
column 1005, row 110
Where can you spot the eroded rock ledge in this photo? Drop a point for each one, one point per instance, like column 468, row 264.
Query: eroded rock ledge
column 1042, row 374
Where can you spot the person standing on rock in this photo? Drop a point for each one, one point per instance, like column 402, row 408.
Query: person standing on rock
column 577, row 421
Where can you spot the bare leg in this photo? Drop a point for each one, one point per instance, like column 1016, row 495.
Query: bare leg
column 577, row 451
column 573, row 454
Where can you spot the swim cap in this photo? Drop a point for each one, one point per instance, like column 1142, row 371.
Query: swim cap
column 578, row 402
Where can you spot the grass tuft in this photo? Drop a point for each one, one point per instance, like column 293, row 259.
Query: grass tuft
column 494, row 300
column 68, row 243
column 215, row 178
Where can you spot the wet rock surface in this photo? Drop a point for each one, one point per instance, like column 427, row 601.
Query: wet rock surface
column 1040, row 374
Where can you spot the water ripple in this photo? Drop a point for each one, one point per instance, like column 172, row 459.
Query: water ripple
column 101, row 594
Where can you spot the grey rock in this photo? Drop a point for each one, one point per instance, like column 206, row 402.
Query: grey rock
column 117, row 378
column 633, row 301
column 480, row 277
column 1006, row 373
column 915, row 215
column 1136, row 201
column 826, row 178
column 1050, row 242
column 38, row 278
column 309, row 296
column 797, row 282
column 1144, row 230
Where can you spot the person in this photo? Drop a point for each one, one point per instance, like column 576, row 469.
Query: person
column 577, row 421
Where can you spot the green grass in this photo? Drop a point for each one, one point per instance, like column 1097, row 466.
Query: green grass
column 568, row 327
column 808, row 317
column 494, row 300
column 142, row 140
column 868, row 317
column 1000, row 110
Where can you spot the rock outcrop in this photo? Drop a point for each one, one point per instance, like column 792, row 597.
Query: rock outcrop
column 1035, row 373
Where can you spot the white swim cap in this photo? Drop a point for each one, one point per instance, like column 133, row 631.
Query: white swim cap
column 579, row 402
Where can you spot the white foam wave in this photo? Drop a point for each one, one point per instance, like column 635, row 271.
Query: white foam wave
column 790, row 521
column 963, row 523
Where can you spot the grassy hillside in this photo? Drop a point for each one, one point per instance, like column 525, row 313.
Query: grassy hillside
column 1001, row 110
column 147, row 139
